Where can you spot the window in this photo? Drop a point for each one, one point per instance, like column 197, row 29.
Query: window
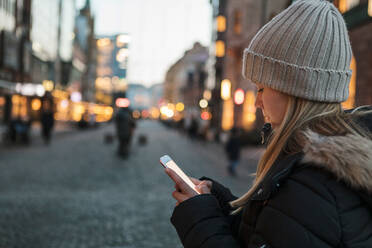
column 345, row 5
column 237, row 22
column 220, row 48
column 221, row 23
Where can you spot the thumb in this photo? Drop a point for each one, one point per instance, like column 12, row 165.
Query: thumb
column 203, row 188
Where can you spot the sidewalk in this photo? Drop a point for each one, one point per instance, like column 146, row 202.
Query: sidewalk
column 60, row 128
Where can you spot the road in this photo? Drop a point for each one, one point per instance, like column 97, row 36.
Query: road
column 78, row 193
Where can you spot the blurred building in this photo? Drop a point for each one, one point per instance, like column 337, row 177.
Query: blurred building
column 15, row 59
column 185, row 80
column 358, row 17
column 157, row 94
column 139, row 96
column 83, row 70
column 111, row 70
column 235, row 23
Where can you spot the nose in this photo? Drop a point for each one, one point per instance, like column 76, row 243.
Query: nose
column 258, row 102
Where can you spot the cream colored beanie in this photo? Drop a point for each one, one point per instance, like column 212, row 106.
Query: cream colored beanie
column 304, row 51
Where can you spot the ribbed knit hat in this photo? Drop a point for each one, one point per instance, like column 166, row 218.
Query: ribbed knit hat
column 304, row 51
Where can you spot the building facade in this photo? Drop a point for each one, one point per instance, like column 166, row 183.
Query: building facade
column 358, row 18
column 235, row 24
column 111, row 70
column 185, row 81
column 15, row 58
column 84, row 54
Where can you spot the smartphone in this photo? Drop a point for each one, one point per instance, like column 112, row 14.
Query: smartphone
column 167, row 162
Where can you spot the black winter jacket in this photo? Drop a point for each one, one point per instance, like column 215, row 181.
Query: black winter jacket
column 321, row 197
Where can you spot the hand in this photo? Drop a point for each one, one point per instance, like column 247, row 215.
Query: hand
column 183, row 191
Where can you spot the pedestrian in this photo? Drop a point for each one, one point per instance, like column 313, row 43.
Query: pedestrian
column 313, row 185
column 124, row 129
column 194, row 128
column 47, row 122
column 232, row 148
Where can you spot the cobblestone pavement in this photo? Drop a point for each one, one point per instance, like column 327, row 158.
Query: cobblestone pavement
column 77, row 193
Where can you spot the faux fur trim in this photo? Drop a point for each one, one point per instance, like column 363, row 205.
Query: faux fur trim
column 348, row 157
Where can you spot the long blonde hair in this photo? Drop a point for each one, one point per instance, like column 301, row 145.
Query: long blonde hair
column 324, row 118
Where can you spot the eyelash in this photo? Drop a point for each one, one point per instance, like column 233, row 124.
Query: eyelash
column 260, row 90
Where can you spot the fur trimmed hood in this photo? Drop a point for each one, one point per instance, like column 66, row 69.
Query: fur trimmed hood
column 348, row 157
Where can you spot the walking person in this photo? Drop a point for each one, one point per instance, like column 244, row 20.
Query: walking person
column 47, row 122
column 124, row 129
column 313, row 186
column 232, row 148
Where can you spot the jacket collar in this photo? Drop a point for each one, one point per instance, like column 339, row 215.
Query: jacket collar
column 348, row 157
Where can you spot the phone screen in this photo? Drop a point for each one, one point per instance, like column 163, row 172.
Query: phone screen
column 168, row 162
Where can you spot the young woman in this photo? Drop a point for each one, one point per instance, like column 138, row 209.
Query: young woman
column 313, row 186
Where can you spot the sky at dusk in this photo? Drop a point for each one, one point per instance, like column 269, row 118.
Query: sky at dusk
column 161, row 30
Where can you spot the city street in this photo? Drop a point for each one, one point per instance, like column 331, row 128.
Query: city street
column 78, row 193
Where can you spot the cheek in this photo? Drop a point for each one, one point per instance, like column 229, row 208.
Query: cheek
column 275, row 107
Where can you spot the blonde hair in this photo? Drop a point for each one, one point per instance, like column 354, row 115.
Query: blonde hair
column 324, row 118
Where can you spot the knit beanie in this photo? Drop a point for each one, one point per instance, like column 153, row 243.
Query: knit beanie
column 304, row 51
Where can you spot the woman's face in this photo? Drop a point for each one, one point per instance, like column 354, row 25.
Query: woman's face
column 272, row 103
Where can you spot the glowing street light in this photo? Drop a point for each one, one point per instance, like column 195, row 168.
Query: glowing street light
column 221, row 23
column 239, row 97
column 36, row 104
column 103, row 42
column 225, row 89
column 203, row 103
column 48, row 85
column 180, row 107
column 207, row 94
column 206, row 115
column 220, row 48
column 122, row 102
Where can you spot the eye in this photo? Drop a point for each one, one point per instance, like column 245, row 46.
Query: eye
column 260, row 90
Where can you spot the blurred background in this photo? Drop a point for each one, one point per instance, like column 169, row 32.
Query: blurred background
column 93, row 92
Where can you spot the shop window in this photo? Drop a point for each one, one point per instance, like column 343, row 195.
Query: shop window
column 19, row 107
column 237, row 22
column 350, row 102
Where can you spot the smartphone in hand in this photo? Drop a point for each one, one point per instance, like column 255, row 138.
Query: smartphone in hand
column 167, row 162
